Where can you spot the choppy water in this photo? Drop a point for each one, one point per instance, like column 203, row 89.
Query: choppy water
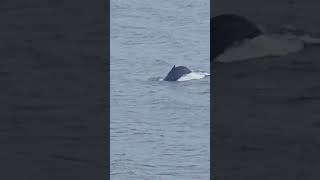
column 159, row 129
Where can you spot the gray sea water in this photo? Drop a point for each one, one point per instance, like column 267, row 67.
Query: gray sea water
column 159, row 129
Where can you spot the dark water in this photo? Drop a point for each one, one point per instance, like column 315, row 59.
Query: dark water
column 273, row 130
column 159, row 129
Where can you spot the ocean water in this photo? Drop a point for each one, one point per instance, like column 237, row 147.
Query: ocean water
column 271, row 86
column 159, row 129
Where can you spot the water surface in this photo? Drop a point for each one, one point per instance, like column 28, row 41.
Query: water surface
column 159, row 129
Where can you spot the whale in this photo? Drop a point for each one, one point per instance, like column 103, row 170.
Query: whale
column 176, row 73
column 228, row 29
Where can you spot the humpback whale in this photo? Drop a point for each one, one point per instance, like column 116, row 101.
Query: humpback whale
column 228, row 29
column 177, row 72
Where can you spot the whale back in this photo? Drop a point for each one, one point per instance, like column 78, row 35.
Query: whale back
column 177, row 72
column 227, row 29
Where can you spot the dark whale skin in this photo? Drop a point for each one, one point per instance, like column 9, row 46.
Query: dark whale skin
column 227, row 29
column 177, row 72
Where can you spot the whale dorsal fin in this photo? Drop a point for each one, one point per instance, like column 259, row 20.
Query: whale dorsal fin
column 174, row 66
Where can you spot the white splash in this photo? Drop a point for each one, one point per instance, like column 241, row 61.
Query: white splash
column 267, row 45
column 262, row 46
column 308, row 39
column 193, row 76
